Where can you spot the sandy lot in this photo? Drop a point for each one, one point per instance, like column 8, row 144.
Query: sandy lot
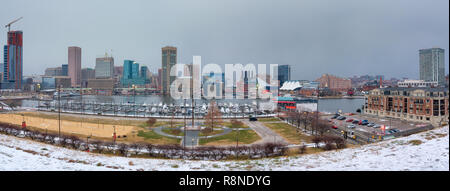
column 68, row 127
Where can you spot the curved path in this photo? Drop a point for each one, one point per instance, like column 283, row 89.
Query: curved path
column 192, row 137
column 267, row 135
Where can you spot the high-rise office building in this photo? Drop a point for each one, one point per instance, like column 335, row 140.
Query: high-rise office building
column 57, row 71
column 74, row 65
column 131, row 75
column 169, row 59
column 432, row 67
column 104, row 67
column 284, row 73
column 1, row 72
column 13, row 62
column 86, row 75
column 65, row 70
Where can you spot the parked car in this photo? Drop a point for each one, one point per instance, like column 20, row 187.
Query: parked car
column 334, row 127
column 335, row 116
column 394, row 131
column 351, row 126
column 349, row 120
column 355, row 122
column 341, row 118
column 370, row 124
column 363, row 122
column 376, row 126
column 253, row 119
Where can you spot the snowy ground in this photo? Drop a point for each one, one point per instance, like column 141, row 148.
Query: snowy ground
column 397, row 154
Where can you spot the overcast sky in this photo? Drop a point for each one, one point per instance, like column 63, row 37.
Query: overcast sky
column 341, row 37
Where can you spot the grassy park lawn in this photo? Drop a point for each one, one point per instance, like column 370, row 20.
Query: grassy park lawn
column 245, row 137
column 154, row 138
column 215, row 132
column 289, row 133
column 272, row 119
column 173, row 131
column 230, row 125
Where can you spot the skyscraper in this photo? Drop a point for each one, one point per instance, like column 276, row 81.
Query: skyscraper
column 284, row 73
column 169, row 59
column 432, row 67
column 104, row 67
column 13, row 68
column 65, row 70
column 86, row 75
column 75, row 65
column 131, row 75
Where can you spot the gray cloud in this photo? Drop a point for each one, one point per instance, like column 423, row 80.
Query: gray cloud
column 346, row 37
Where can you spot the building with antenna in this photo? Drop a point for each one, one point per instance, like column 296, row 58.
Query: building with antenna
column 104, row 67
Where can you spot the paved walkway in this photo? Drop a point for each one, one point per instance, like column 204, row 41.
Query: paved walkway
column 192, row 136
column 267, row 135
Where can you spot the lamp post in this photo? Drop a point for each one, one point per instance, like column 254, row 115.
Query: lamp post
column 134, row 99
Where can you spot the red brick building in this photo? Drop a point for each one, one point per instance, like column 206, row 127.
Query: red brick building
column 413, row 104
column 334, row 83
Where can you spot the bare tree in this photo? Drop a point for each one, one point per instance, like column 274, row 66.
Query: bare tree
column 123, row 149
column 151, row 121
column 213, row 116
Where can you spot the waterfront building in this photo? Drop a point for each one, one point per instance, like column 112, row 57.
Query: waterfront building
column 65, row 70
column 56, row 71
column 213, row 84
column 74, row 60
column 284, row 73
column 131, row 74
column 432, row 65
column 104, row 67
column 422, row 104
column 118, row 72
column 169, row 59
column 53, row 82
column 159, row 83
column 416, row 83
column 13, row 61
column 103, row 86
column 334, row 83
column 87, row 74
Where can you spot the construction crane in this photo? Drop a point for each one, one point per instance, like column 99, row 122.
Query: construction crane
column 9, row 24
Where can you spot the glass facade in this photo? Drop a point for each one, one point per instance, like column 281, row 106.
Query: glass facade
column 284, row 73
column 131, row 75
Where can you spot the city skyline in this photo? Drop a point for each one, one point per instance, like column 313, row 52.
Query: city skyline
column 345, row 41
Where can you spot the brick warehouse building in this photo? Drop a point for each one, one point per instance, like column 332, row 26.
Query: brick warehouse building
column 412, row 104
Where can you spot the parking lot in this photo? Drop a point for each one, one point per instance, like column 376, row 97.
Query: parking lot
column 394, row 127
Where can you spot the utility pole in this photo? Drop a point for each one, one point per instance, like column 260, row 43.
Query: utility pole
column 184, row 135
column 114, row 134
column 237, row 143
column 59, row 110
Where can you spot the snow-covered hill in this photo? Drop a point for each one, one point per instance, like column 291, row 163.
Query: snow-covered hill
column 424, row 151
